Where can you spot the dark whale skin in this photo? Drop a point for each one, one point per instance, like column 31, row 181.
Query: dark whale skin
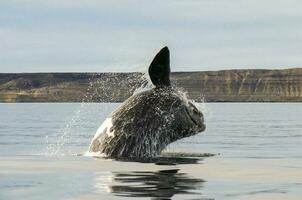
column 148, row 121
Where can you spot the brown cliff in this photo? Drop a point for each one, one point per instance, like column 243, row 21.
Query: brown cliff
column 212, row 86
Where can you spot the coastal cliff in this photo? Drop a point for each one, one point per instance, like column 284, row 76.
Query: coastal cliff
column 211, row 86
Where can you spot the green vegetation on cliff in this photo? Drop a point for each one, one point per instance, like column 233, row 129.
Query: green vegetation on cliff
column 211, row 86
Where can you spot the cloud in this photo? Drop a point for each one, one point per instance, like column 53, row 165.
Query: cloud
column 78, row 35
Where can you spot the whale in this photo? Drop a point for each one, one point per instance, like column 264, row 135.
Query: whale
column 147, row 122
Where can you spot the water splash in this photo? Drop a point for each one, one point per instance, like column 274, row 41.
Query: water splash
column 99, row 90
column 53, row 149
column 146, row 84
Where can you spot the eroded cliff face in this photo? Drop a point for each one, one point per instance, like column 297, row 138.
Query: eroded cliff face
column 243, row 85
column 211, row 86
column 67, row 87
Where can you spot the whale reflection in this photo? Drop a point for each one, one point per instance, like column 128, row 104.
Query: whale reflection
column 165, row 160
column 163, row 184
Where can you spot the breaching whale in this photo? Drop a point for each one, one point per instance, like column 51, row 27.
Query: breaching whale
column 148, row 121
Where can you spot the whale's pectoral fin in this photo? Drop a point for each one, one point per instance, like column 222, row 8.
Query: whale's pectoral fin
column 159, row 69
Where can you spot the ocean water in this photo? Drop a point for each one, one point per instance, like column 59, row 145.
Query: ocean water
column 258, row 149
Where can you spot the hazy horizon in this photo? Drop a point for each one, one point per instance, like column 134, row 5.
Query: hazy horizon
column 123, row 36
column 145, row 71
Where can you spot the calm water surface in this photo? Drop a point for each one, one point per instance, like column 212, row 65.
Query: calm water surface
column 259, row 147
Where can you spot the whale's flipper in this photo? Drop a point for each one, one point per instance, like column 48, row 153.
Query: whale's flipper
column 159, row 69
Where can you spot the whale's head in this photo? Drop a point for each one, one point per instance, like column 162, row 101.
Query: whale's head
column 187, row 119
column 172, row 116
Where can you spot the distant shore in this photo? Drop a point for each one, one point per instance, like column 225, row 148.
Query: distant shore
column 252, row 85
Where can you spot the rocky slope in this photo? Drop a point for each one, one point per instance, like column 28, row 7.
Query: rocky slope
column 211, row 86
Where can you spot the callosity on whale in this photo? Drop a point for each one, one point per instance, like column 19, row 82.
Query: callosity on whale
column 148, row 121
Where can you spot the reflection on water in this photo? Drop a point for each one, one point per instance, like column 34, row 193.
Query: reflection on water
column 165, row 160
column 163, row 184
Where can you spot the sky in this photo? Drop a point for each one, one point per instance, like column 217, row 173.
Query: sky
column 124, row 35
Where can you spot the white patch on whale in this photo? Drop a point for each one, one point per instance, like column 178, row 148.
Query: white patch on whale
column 97, row 154
column 105, row 128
